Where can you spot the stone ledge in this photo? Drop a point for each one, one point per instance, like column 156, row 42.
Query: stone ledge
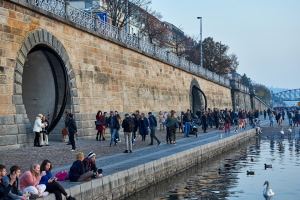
column 123, row 183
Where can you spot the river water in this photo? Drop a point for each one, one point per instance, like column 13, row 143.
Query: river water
column 225, row 176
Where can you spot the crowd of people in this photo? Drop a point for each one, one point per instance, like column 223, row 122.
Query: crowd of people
column 138, row 124
column 39, row 181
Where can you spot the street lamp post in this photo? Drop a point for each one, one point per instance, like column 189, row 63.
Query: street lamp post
column 200, row 40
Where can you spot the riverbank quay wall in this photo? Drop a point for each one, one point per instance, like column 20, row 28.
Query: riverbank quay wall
column 125, row 182
column 103, row 73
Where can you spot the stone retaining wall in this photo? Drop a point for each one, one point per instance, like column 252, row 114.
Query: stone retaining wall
column 124, row 183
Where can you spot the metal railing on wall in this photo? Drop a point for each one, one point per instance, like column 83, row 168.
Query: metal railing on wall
column 63, row 9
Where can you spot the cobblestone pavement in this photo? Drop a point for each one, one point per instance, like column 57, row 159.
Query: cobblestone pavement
column 60, row 155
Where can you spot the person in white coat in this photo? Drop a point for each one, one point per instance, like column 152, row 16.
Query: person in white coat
column 37, row 128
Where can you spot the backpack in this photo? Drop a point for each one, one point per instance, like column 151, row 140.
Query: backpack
column 155, row 121
column 130, row 125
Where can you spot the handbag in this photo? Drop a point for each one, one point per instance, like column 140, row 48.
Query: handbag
column 64, row 131
column 61, row 176
column 98, row 123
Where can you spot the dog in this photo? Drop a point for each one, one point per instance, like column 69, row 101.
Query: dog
column 221, row 129
column 236, row 130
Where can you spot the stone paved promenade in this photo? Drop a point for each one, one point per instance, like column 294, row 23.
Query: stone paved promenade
column 60, row 155
column 111, row 159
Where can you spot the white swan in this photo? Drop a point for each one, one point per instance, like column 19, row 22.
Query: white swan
column 268, row 192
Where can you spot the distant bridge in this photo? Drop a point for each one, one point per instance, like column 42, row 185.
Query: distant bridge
column 288, row 95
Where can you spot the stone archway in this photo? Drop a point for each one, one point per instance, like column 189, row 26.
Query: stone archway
column 41, row 43
column 196, row 100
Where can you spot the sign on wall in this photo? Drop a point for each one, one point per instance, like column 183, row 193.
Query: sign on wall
column 102, row 16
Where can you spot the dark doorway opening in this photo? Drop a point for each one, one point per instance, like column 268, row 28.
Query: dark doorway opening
column 196, row 96
column 45, row 85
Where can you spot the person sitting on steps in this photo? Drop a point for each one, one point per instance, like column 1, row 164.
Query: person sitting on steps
column 77, row 172
column 15, row 191
column 90, row 165
column 51, row 185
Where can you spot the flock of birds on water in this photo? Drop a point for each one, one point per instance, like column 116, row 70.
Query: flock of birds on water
column 267, row 192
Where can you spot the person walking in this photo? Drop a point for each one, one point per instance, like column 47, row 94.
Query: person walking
column 67, row 119
column 119, row 129
column 168, row 135
column 265, row 114
column 135, row 122
column 188, row 120
column 216, row 117
column 280, row 118
column 104, row 127
column 113, row 123
column 37, row 128
column 128, row 126
column 172, row 123
column 143, row 126
column 72, row 131
column 204, row 121
column 271, row 118
column 244, row 118
column 227, row 123
column 161, row 121
column 99, row 128
column 236, row 117
column 153, row 127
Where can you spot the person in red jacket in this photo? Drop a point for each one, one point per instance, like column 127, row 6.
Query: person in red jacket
column 99, row 128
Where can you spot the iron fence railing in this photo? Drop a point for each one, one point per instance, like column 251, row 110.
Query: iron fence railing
column 65, row 10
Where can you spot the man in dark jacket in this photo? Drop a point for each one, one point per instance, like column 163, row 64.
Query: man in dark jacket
column 204, row 122
column 72, row 131
column 15, row 191
column 128, row 126
column 152, row 127
column 216, row 117
column 188, row 120
column 113, row 123
column 4, row 190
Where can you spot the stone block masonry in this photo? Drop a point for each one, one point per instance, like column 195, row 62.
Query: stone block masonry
column 104, row 74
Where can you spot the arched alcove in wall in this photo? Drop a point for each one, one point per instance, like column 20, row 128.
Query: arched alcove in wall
column 44, row 80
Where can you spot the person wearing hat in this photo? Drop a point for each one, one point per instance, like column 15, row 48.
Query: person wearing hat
column 90, row 165
column 37, row 128
column 72, row 131
column 113, row 123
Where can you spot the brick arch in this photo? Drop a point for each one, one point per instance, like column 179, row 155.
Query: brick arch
column 38, row 37
column 195, row 83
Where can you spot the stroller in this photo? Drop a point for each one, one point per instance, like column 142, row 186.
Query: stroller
column 194, row 127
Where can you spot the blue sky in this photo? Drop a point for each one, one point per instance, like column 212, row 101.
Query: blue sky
column 264, row 34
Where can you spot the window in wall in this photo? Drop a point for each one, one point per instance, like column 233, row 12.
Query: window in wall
column 88, row 4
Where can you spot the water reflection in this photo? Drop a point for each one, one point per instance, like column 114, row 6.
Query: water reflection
column 225, row 176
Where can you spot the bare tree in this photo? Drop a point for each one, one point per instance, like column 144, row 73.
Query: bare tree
column 121, row 11
column 179, row 41
column 152, row 27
